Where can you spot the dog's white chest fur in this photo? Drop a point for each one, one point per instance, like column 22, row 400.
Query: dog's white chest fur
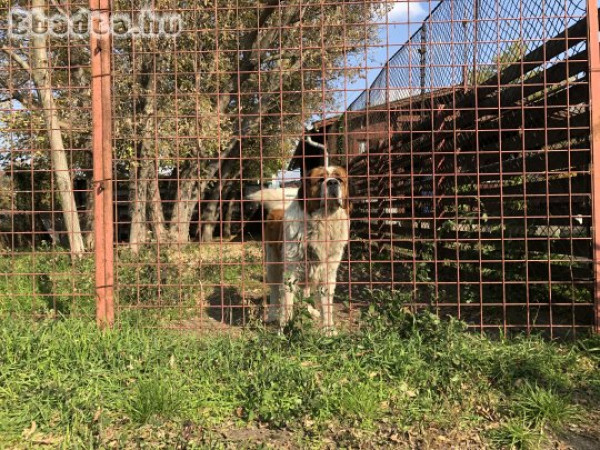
column 317, row 239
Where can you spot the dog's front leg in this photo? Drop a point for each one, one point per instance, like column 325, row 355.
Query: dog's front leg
column 274, row 303
column 274, row 278
column 326, row 293
column 326, row 303
column 289, row 290
column 306, row 292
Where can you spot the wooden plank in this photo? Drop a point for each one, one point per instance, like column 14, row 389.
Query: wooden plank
column 559, row 72
column 462, row 135
column 549, row 49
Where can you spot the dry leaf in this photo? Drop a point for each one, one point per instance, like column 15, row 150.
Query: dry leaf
column 27, row 432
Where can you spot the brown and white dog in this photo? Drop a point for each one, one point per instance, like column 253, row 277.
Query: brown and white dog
column 305, row 240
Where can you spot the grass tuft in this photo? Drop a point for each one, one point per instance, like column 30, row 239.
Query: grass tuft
column 153, row 397
column 516, row 434
column 541, row 407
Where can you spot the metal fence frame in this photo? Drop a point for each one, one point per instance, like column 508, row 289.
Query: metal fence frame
column 455, row 56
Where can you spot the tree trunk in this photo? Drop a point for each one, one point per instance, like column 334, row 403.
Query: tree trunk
column 138, row 195
column 155, row 206
column 187, row 199
column 213, row 210
column 210, row 213
column 146, row 209
column 58, row 156
column 228, row 216
column 179, row 232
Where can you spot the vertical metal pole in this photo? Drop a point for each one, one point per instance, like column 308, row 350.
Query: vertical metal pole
column 422, row 70
column 465, row 69
column 423, row 57
column 475, row 43
column 594, row 86
column 100, row 45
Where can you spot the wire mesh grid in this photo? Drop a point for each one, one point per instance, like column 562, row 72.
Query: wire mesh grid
column 464, row 127
column 45, row 165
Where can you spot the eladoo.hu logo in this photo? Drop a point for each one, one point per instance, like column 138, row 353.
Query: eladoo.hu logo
column 143, row 24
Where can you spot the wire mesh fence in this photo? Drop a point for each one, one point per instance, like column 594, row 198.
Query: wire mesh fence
column 168, row 129
column 45, row 166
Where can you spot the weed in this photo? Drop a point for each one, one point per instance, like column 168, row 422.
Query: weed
column 515, row 434
column 541, row 407
column 46, row 283
column 363, row 402
column 153, row 397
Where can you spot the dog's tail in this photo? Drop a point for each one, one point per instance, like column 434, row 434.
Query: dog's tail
column 272, row 199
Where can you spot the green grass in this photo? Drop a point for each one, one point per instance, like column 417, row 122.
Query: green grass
column 157, row 284
column 538, row 407
column 45, row 282
column 66, row 384
column 154, row 397
column 517, row 434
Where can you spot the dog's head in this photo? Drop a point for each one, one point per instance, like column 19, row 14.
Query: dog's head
column 325, row 188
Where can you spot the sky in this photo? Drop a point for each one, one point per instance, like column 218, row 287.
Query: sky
column 404, row 18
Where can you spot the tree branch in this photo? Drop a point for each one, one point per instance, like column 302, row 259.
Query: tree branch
column 59, row 8
column 17, row 58
column 248, row 42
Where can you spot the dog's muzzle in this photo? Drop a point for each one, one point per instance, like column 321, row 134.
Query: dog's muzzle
column 333, row 191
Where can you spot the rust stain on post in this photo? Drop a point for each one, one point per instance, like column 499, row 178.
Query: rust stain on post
column 594, row 85
column 100, row 44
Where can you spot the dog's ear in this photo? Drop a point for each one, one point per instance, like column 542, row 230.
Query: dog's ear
column 300, row 195
column 348, row 188
column 347, row 196
column 348, row 205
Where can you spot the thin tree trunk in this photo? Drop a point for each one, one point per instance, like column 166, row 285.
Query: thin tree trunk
column 211, row 213
column 185, row 204
column 88, row 219
column 146, row 208
column 41, row 76
column 155, row 206
column 229, row 213
column 138, row 195
column 227, row 220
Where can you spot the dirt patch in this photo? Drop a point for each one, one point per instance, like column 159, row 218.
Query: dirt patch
column 336, row 437
column 252, row 437
column 583, row 436
column 578, row 440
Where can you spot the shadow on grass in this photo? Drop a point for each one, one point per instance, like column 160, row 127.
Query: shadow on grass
column 227, row 305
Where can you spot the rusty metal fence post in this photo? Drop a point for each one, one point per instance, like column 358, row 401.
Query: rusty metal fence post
column 594, row 86
column 100, row 46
